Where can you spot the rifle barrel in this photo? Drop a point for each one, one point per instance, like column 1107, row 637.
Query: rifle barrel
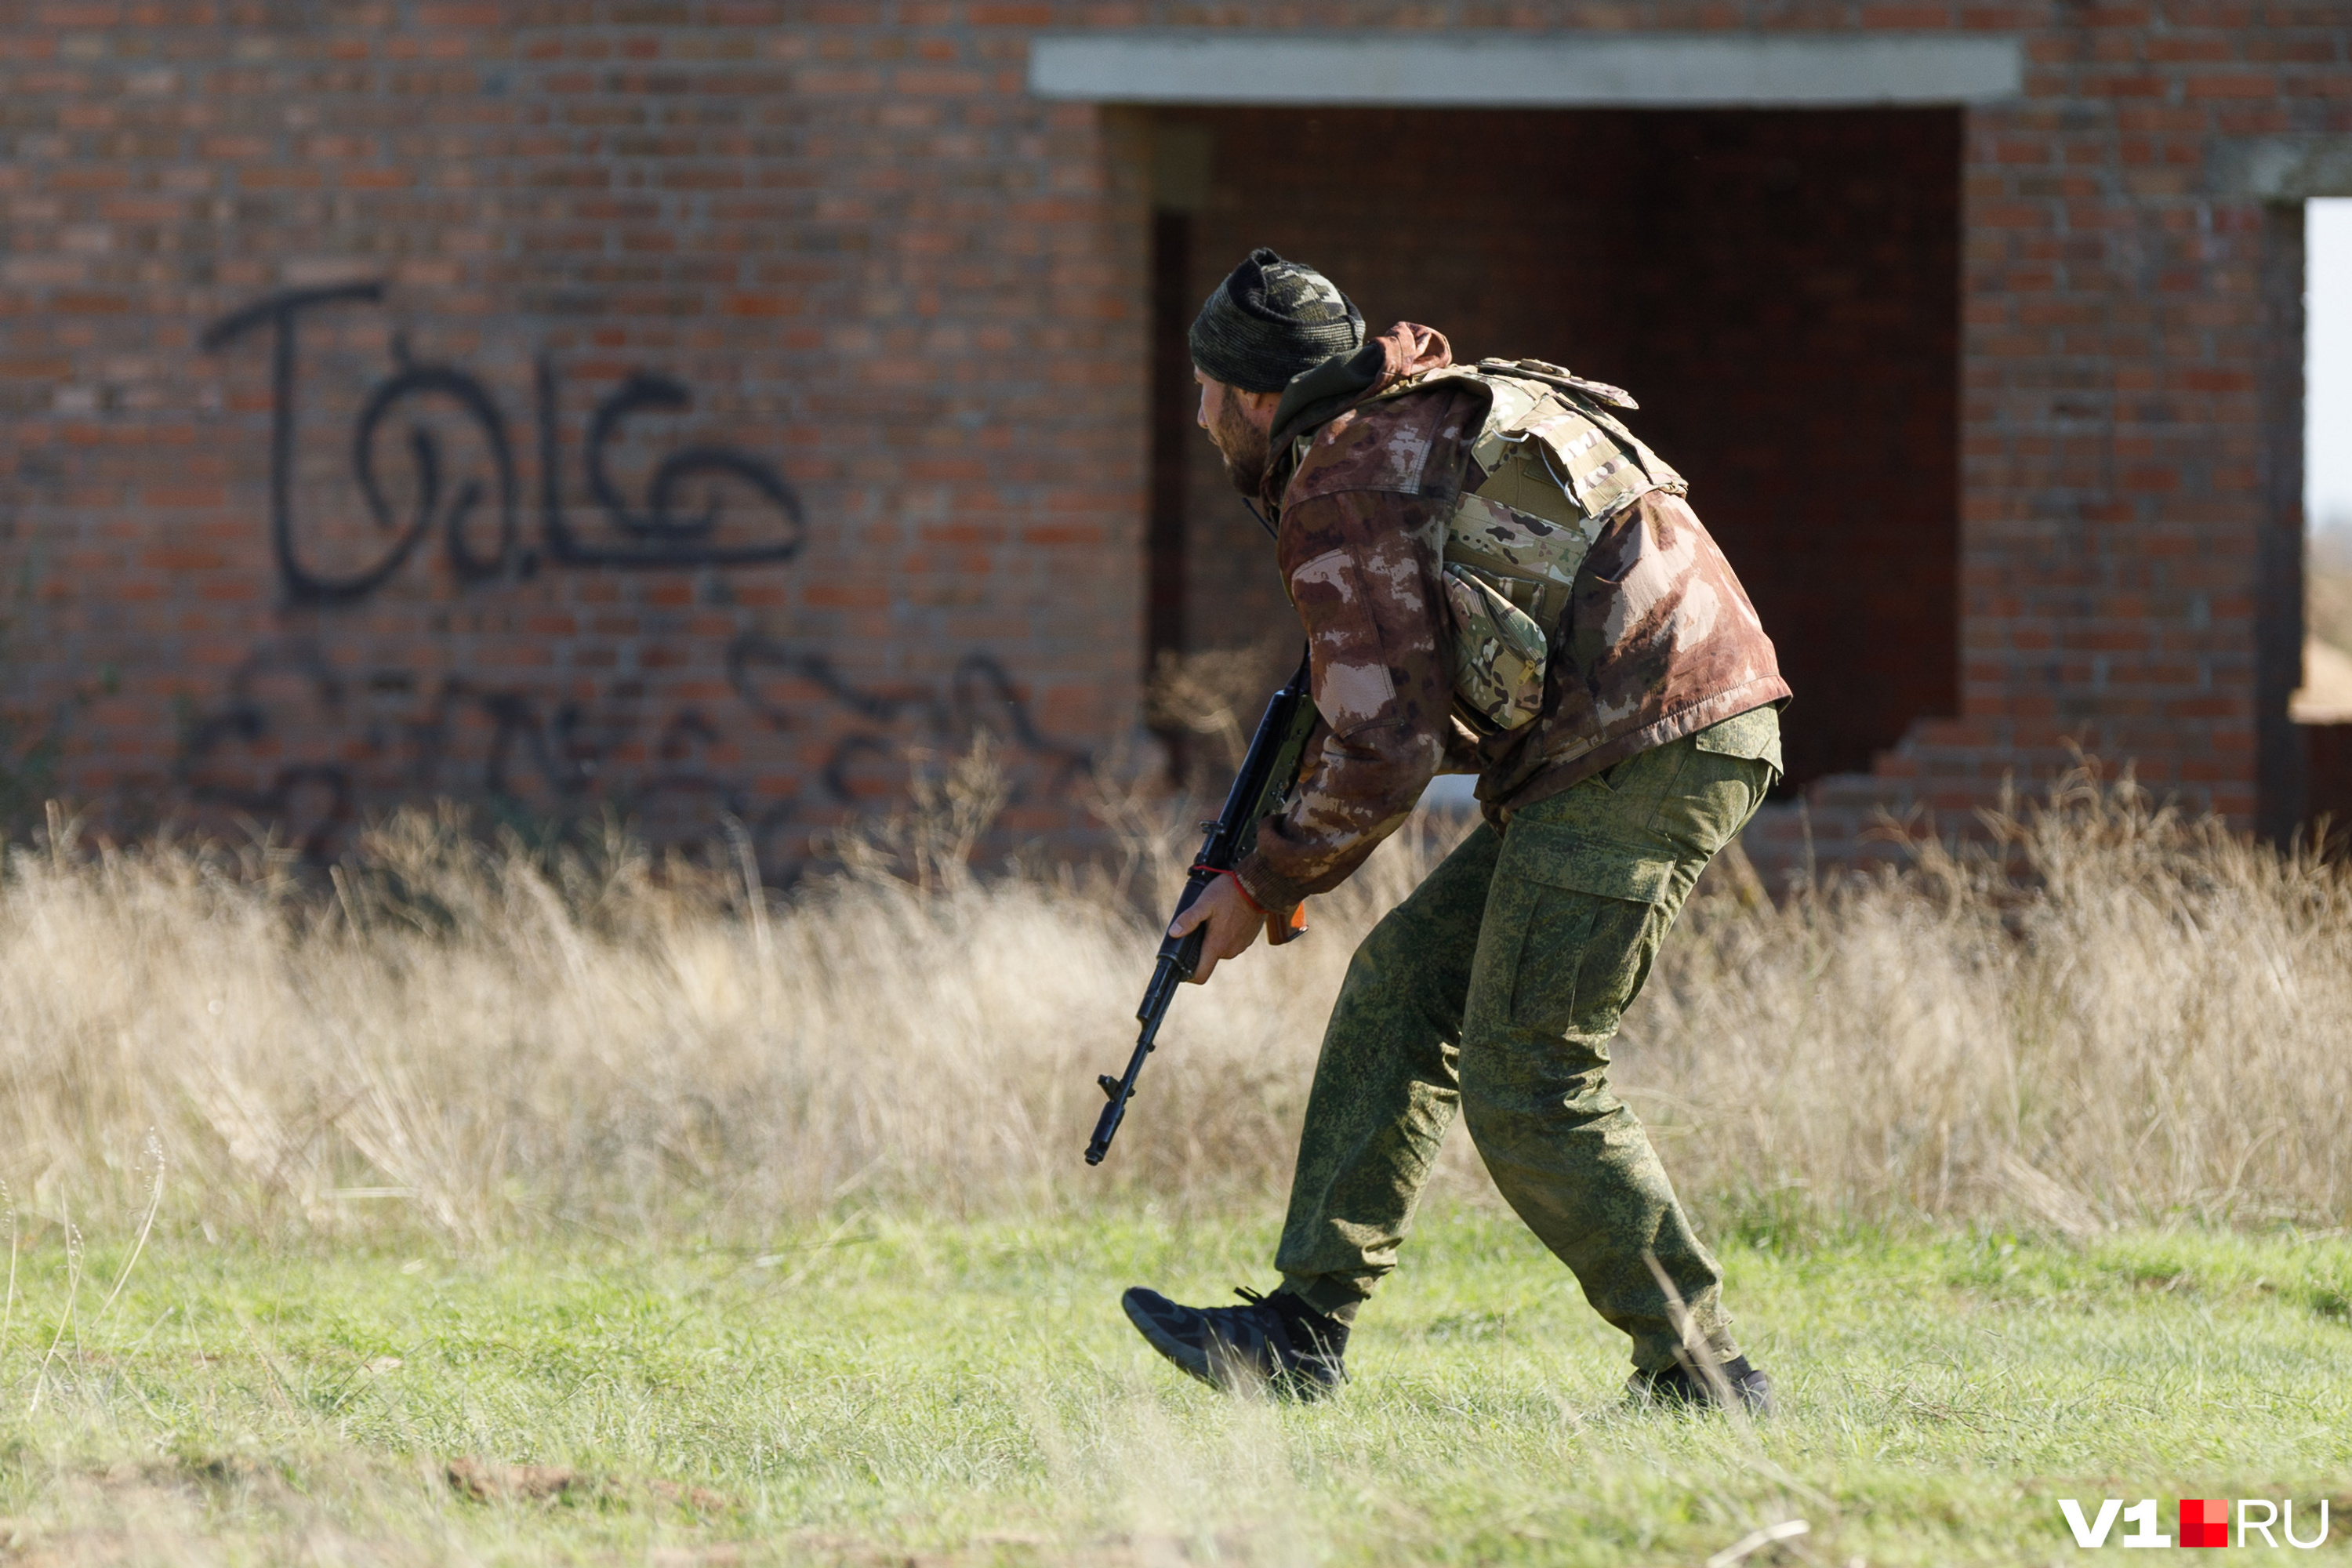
column 1166, row 975
column 1275, row 749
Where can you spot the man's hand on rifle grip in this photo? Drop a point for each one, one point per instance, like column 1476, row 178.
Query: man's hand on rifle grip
column 1233, row 921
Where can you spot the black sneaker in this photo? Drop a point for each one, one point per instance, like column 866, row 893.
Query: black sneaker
column 1276, row 1344
column 1677, row 1388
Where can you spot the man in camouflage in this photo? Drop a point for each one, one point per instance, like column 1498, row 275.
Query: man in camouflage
column 1496, row 577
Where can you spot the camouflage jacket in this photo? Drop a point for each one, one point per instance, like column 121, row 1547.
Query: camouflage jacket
column 1659, row 639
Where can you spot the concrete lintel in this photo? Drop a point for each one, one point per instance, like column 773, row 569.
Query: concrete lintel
column 1522, row 70
column 2282, row 168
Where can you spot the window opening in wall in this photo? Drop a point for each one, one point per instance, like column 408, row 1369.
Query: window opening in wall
column 2327, row 460
column 2324, row 704
column 1180, row 187
column 1780, row 289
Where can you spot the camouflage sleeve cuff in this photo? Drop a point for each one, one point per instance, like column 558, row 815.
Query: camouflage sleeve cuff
column 1277, row 897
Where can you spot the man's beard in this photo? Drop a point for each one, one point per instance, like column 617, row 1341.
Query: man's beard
column 1242, row 447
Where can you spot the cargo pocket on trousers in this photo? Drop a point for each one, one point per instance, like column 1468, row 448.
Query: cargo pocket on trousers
column 1594, row 918
column 1753, row 736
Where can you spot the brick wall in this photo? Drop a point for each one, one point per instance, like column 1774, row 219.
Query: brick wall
column 877, row 307
column 2132, row 410
column 900, row 290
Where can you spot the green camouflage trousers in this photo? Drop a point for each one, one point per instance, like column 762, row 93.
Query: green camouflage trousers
column 1497, row 986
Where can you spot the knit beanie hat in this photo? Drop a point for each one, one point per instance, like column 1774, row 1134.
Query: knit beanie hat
column 1271, row 319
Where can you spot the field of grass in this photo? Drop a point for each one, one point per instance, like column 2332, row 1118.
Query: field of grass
column 882, row 1390
column 529, row 1203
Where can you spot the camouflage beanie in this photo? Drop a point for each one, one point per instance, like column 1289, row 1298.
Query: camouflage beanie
column 1271, row 319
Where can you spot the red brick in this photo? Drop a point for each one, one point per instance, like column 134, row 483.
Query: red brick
column 2237, row 84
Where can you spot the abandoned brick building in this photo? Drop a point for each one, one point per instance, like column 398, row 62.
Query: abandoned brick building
column 719, row 407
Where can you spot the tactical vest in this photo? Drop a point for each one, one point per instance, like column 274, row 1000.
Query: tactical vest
column 1558, row 468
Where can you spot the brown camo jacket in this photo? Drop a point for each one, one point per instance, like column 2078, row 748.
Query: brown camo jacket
column 1661, row 639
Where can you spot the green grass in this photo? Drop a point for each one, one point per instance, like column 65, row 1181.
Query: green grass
column 896, row 1390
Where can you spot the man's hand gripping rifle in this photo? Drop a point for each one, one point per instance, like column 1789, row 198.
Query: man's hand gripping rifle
column 1260, row 789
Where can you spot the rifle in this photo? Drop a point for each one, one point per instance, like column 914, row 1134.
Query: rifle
column 1261, row 788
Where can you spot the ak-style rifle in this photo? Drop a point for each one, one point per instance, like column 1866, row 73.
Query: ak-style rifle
column 1261, row 788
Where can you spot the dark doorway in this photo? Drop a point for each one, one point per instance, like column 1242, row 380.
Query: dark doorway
column 1780, row 289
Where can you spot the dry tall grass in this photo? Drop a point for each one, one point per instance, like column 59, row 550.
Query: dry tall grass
column 2141, row 1016
column 2122, row 1015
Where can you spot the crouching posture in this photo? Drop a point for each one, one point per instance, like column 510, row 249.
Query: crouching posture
column 1496, row 577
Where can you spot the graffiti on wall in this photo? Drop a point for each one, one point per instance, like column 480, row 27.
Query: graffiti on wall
column 306, row 739
column 653, row 533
